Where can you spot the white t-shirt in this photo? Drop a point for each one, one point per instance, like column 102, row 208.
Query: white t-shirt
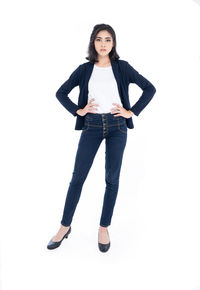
column 102, row 86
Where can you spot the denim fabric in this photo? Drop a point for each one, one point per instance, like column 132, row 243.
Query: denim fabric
column 97, row 127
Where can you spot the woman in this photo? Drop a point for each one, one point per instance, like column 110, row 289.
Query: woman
column 103, row 112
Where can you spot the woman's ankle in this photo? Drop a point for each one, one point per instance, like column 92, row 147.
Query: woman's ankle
column 101, row 228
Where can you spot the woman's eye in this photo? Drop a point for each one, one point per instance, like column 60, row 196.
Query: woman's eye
column 106, row 40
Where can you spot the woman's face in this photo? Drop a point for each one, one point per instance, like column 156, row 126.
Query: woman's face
column 103, row 43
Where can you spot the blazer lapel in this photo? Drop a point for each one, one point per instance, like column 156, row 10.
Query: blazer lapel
column 87, row 77
column 115, row 68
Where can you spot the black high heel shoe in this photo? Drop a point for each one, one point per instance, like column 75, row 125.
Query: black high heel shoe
column 52, row 245
column 104, row 247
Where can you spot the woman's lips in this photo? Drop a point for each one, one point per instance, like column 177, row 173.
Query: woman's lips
column 103, row 49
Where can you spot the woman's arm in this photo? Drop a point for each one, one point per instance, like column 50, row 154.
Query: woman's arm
column 65, row 89
column 147, row 87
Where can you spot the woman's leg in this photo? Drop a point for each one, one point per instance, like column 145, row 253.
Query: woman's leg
column 115, row 145
column 87, row 148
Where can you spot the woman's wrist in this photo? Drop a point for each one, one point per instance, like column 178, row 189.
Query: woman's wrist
column 131, row 113
column 78, row 111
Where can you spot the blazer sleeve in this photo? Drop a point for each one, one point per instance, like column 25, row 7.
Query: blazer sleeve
column 147, row 87
column 65, row 89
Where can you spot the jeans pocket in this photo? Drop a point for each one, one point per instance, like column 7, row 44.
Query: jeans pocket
column 85, row 126
column 122, row 127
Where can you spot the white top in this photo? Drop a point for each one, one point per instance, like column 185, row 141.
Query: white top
column 102, row 86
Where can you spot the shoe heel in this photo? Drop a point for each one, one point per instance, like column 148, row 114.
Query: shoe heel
column 69, row 231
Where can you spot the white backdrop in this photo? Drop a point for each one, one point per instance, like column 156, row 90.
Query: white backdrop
column 155, row 239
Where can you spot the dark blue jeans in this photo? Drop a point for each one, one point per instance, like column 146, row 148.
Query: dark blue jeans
column 96, row 128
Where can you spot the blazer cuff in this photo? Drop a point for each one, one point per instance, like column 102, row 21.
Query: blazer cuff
column 135, row 112
column 74, row 111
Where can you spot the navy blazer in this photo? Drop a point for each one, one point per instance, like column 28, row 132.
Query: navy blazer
column 124, row 74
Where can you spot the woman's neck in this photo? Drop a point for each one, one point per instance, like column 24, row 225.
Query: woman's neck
column 103, row 61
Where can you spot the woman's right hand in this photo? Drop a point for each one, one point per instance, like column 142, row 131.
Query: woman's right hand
column 87, row 109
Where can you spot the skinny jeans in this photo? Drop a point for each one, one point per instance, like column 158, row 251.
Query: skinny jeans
column 97, row 127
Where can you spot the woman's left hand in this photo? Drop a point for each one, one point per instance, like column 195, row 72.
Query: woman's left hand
column 121, row 111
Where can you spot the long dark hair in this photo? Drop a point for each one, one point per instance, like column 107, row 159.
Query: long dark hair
column 92, row 57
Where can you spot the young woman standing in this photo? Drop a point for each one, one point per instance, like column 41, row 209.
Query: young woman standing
column 104, row 114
